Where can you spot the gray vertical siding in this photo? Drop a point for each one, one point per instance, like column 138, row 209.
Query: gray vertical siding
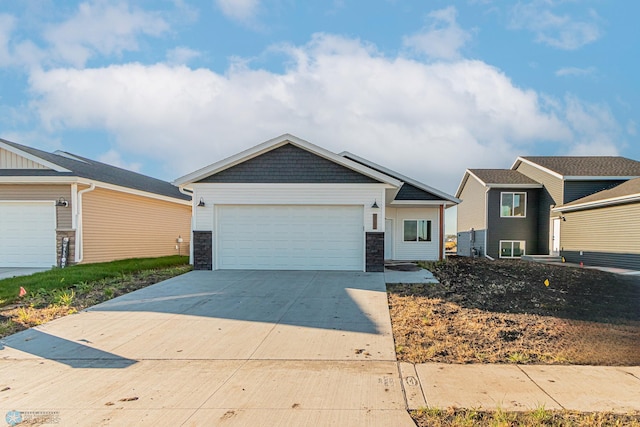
column 574, row 190
column 512, row 228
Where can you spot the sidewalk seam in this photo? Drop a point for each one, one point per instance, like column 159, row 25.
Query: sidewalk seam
column 541, row 389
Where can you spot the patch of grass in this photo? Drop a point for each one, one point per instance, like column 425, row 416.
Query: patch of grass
column 42, row 304
column 75, row 275
column 517, row 357
column 456, row 417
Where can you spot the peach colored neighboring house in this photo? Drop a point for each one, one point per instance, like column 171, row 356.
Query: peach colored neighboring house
column 62, row 209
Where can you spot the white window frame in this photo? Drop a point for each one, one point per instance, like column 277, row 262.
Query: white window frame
column 523, row 245
column 512, row 194
column 429, row 232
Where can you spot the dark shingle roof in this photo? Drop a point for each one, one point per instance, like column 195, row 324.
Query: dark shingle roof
column 91, row 169
column 627, row 188
column 601, row 166
column 502, row 176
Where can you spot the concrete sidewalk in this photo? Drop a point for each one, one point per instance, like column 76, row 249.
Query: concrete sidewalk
column 522, row 387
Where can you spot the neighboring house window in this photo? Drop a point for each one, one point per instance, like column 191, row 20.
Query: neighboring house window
column 512, row 248
column 417, row 230
column 513, row 204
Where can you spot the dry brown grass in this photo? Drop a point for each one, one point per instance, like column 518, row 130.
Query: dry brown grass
column 455, row 417
column 501, row 312
column 432, row 330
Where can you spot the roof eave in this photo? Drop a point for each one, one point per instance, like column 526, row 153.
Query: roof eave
column 535, row 165
column 514, row 185
column 600, row 178
column 599, row 203
column 32, row 157
column 418, row 184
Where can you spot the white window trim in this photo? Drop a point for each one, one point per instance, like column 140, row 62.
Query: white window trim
column 512, row 193
column 523, row 245
column 418, row 241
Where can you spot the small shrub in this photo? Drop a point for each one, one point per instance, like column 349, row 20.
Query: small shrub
column 518, row 357
column 63, row 298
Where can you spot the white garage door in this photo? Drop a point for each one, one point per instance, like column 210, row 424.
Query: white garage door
column 27, row 234
column 290, row 237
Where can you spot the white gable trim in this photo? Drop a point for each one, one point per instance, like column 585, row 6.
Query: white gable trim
column 535, row 165
column 275, row 143
column 76, row 180
column 413, row 182
column 465, row 177
column 33, row 158
column 599, row 203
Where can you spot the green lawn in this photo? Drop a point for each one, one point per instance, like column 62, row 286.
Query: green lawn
column 63, row 278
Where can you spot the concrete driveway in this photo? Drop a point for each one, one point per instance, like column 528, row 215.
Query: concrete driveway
column 215, row 348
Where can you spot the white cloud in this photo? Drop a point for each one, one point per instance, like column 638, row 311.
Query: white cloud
column 596, row 131
column 181, row 55
column 428, row 121
column 442, row 38
column 100, row 27
column 243, row 11
column 7, row 24
column 575, row 71
column 112, row 157
column 559, row 31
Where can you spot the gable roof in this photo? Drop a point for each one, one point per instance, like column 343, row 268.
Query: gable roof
column 291, row 164
column 584, row 167
column 626, row 192
column 63, row 164
column 411, row 189
column 498, row 178
column 276, row 143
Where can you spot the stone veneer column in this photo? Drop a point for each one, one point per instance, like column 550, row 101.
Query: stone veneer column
column 374, row 257
column 202, row 253
column 71, row 254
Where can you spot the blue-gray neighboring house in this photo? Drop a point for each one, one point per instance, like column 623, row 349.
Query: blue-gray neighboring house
column 509, row 213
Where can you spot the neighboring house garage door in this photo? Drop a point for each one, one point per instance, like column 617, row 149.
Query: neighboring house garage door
column 290, row 237
column 27, row 234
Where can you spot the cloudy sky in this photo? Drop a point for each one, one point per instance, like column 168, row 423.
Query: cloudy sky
column 427, row 88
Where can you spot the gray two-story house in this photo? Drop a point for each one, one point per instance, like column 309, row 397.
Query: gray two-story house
column 508, row 213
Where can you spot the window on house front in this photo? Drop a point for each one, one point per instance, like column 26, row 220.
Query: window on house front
column 513, row 204
column 417, row 230
column 512, row 248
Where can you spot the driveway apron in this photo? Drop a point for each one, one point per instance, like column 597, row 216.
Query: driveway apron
column 215, row 348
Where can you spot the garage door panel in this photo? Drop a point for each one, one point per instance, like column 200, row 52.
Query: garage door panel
column 290, row 237
column 28, row 234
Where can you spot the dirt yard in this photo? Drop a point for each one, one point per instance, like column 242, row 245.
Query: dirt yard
column 517, row 312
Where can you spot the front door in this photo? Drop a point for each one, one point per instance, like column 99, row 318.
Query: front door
column 388, row 239
column 555, row 238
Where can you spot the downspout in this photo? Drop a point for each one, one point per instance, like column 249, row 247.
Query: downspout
column 79, row 239
column 486, row 222
column 442, row 237
column 193, row 213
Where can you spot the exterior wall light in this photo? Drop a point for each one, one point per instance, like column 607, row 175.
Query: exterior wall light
column 201, row 202
column 62, row 202
column 375, row 205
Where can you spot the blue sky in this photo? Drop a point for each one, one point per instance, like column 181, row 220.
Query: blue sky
column 427, row 88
